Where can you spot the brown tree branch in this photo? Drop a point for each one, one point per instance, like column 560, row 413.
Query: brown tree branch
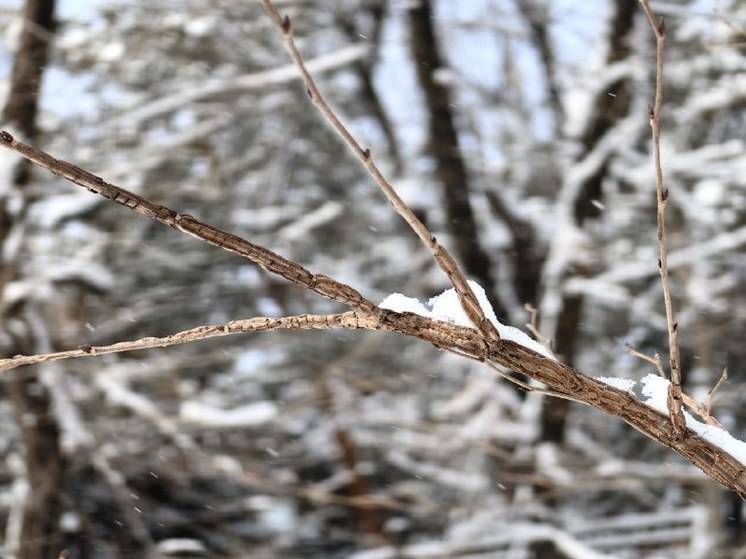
column 266, row 259
column 558, row 377
column 258, row 324
column 442, row 257
column 702, row 410
column 674, row 392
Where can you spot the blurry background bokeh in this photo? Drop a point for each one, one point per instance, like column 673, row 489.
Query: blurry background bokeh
column 516, row 129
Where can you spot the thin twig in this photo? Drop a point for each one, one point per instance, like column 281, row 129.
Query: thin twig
column 654, row 360
column 533, row 326
column 258, row 324
column 674, row 391
column 535, row 389
column 562, row 381
column 707, row 456
column 442, row 257
column 711, row 394
column 266, row 259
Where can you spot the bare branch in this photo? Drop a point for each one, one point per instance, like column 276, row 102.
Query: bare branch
column 674, row 392
column 557, row 377
column 533, row 327
column 442, row 257
column 258, row 324
column 561, row 380
column 528, row 388
column 266, row 259
column 655, row 360
column 711, row 394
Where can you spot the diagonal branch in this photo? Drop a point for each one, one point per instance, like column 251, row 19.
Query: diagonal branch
column 559, row 378
column 258, row 324
column 442, row 257
column 562, row 381
column 674, row 392
column 266, row 259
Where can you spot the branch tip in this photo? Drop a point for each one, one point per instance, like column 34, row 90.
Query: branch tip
column 6, row 137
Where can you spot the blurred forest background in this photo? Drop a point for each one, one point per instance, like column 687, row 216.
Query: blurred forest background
column 517, row 130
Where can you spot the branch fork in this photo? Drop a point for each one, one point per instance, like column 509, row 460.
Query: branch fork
column 662, row 195
column 440, row 254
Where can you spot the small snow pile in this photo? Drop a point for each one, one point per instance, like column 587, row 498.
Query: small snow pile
column 447, row 307
column 250, row 415
column 655, row 389
column 654, row 392
column 623, row 384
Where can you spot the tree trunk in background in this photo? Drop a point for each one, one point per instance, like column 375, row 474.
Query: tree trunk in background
column 609, row 108
column 45, row 464
column 444, row 146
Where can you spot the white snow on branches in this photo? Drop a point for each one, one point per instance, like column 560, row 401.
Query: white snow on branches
column 623, row 384
column 447, row 307
column 654, row 393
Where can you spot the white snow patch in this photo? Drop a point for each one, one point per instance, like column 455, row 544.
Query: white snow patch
column 244, row 416
column 624, row 384
column 8, row 162
column 710, row 192
column 112, row 51
column 401, row 303
column 655, row 388
column 49, row 211
column 310, row 221
column 175, row 546
column 200, row 26
column 654, row 391
column 447, row 307
column 253, row 362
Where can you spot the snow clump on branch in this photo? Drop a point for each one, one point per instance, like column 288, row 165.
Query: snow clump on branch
column 447, row 307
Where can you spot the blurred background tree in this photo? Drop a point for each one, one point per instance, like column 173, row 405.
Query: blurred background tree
column 517, row 130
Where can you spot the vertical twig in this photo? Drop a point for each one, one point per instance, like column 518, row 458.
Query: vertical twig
column 674, row 392
column 441, row 256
